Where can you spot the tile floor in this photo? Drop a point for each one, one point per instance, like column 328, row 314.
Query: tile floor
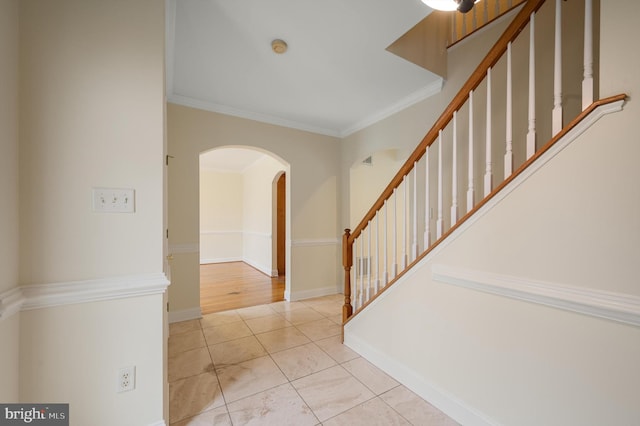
column 282, row 364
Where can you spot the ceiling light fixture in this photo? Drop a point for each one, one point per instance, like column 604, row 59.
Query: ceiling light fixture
column 279, row 46
column 463, row 6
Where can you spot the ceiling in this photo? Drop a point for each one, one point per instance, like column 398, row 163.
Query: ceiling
column 335, row 78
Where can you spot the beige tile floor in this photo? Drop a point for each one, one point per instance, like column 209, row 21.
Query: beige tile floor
column 282, row 364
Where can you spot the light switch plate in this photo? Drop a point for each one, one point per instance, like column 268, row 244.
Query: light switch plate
column 113, row 200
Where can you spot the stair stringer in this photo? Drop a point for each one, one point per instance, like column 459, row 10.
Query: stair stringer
column 486, row 359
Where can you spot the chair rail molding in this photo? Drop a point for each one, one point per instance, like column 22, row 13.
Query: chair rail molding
column 314, row 242
column 39, row 296
column 11, row 302
column 184, row 248
column 614, row 306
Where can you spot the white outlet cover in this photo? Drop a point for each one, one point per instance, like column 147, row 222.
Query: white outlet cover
column 113, row 200
column 126, row 379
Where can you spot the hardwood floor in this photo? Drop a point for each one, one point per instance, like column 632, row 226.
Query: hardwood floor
column 234, row 285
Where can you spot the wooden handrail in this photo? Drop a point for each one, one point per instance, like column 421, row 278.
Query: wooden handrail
column 347, row 262
column 496, row 52
column 584, row 114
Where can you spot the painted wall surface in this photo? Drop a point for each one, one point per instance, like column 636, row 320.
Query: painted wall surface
column 221, row 211
column 108, row 342
column 258, row 209
column 572, row 222
column 367, row 181
column 9, row 328
column 91, row 114
column 313, row 162
column 405, row 130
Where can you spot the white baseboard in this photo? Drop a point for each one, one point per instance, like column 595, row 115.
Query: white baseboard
column 158, row 423
column 184, row 315
column 262, row 268
column 308, row 294
column 220, row 260
column 444, row 401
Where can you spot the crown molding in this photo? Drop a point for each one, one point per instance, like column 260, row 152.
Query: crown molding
column 422, row 94
column 404, row 103
column 249, row 115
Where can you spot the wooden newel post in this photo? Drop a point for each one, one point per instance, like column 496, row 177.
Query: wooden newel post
column 347, row 262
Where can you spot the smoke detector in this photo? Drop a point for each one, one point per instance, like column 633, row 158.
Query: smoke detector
column 279, row 46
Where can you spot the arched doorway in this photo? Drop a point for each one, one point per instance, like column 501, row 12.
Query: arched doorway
column 240, row 240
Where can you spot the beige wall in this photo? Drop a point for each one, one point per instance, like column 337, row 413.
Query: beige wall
column 573, row 222
column 72, row 354
column 366, row 182
column 91, row 114
column 258, row 213
column 221, row 210
column 9, row 328
column 313, row 172
column 406, row 129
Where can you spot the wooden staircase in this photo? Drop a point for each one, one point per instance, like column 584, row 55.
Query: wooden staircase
column 465, row 145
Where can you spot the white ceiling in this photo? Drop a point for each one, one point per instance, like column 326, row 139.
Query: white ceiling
column 335, row 78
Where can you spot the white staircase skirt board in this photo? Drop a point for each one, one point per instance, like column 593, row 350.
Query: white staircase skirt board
column 598, row 303
column 67, row 293
column 437, row 397
column 515, row 183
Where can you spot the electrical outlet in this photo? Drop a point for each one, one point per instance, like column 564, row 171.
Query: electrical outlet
column 126, row 379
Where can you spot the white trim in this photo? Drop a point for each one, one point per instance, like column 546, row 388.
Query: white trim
column 439, row 398
column 250, row 115
column 184, row 248
column 185, row 315
column 404, row 103
column 315, row 242
column 11, row 302
column 257, row 234
column 158, row 423
column 598, row 303
column 67, row 293
column 308, row 294
column 220, row 260
column 262, row 268
column 572, row 135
